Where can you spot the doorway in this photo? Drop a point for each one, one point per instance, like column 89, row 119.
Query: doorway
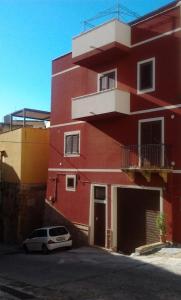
column 151, row 143
column 99, row 194
column 137, row 210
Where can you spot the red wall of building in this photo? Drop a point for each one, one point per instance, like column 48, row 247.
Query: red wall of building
column 101, row 139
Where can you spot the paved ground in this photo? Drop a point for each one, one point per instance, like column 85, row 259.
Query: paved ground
column 89, row 274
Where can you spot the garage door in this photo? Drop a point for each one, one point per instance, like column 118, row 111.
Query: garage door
column 136, row 218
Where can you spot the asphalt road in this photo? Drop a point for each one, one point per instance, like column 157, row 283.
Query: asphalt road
column 85, row 274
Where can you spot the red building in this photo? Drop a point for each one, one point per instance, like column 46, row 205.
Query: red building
column 115, row 160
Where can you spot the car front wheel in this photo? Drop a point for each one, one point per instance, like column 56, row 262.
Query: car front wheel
column 45, row 249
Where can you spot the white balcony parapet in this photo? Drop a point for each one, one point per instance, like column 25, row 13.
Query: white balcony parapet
column 100, row 36
column 104, row 102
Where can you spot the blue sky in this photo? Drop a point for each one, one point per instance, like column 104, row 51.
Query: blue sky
column 32, row 33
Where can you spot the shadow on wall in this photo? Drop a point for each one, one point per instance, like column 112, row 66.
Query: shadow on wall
column 21, row 206
column 8, row 202
column 53, row 217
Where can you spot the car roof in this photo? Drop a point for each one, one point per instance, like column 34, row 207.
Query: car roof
column 50, row 227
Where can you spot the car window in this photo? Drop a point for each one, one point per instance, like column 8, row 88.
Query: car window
column 38, row 233
column 57, row 231
column 41, row 233
column 32, row 235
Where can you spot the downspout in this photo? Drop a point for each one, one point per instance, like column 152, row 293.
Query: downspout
column 1, row 171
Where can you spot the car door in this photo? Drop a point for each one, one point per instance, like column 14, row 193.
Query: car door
column 32, row 241
column 41, row 238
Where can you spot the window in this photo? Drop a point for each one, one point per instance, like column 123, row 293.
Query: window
column 151, row 142
column 58, row 231
column 107, row 80
column 42, row 233
column 70, row 182
column 38, row 233
column 146, row 76
column 72, row 143
column 99, row 193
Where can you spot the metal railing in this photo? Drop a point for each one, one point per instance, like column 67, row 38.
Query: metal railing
column 148, row 156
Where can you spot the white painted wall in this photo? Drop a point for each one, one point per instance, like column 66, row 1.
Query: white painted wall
column 113, row 31
column 101, row 103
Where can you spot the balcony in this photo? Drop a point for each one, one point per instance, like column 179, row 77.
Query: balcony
column 101, row 104
column 109, row 39
column 146, row 159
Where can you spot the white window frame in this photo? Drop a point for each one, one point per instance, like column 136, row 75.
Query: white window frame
column 139, row 63
column 162, row 135
column 104, row 73
column 71, row 189
column 77, row 132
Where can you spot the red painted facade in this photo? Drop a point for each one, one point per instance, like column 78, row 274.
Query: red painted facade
column 157, row 35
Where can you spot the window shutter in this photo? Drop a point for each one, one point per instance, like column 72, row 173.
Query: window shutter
column 111, row 80
column 75, row 143
column 68, row 144
column 103, row 83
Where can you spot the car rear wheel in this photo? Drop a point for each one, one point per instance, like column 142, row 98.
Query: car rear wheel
column 25, row 248
column 45, row 249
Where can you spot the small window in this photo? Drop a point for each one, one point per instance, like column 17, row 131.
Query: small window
column 57, row 231
column 72, row 144
column 71, row 182
column 99, row 193
column 107, row 81
column 146, row 76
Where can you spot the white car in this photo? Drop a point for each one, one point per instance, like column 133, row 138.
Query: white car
column 46, row 239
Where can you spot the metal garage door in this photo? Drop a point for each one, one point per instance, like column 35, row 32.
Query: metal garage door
column 136, row 218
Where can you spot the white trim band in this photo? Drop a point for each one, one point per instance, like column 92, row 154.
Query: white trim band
column 156, row 37
column 155, row 15
column 85, row 170
column 169, row 107
column 65, row 71
column 96, row 170
column 67, row 124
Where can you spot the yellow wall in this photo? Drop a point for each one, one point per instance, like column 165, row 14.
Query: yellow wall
column 10, row 142
column 35, row 147
column 27, row 155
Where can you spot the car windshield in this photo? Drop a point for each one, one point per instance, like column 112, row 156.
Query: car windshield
column 57, row 231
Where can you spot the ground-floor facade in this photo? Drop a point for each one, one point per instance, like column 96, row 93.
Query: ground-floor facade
column 112, row 209
column 111, row 177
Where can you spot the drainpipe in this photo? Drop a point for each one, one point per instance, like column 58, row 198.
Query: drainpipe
column 24, row 118
column 1, row 177
column 11, row 122
column 2, row 155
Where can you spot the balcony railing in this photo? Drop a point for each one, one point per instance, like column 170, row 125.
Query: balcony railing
column 148, row 156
